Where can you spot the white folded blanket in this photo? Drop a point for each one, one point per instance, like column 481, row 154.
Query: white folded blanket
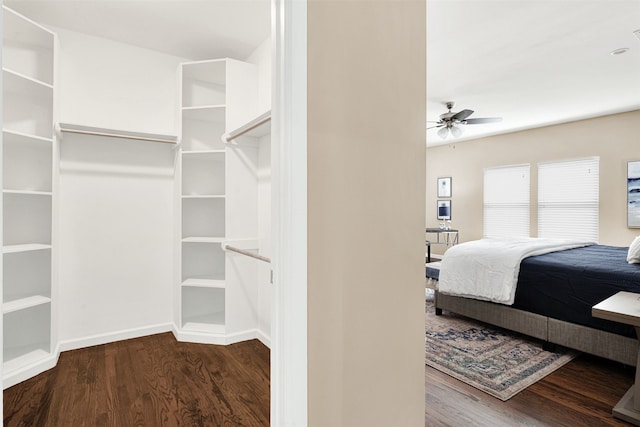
column 488, row 269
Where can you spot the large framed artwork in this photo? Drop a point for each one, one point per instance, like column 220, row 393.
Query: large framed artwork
column 633, row 194
column 444, row 187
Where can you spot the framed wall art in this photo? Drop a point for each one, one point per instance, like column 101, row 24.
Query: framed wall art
column 633, row 194
column 444, row 187
column 444, row 209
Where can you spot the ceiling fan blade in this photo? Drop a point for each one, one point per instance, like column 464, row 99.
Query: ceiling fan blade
column 482, row 120
column 437, row 126
column 462, row 115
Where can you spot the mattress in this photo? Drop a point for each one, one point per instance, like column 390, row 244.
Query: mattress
column 565, row 285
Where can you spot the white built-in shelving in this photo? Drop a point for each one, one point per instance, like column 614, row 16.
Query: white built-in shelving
column 203, row 197
column 216, row 96
column 28, row 188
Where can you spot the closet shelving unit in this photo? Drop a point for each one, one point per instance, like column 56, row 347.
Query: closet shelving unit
column 203, row 201
column 29, row 151
column 216, row 95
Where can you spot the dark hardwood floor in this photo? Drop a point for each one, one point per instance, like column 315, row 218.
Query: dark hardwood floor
column 151, row 381
column 157, row 381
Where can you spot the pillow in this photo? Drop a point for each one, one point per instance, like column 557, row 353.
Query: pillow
column 633, row 256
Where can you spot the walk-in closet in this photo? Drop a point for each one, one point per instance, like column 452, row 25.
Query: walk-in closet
column 136, row 156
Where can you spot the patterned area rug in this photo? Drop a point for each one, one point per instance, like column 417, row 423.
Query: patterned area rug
column 498, row 362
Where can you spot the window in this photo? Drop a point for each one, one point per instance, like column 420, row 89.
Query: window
column 506, row 202
column 568, row 199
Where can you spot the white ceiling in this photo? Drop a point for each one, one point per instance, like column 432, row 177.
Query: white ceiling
column 193, row 29
column 532, row 62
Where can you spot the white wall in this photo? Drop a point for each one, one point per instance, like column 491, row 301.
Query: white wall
column 262, row 58
column 116, row 196
column 108, row 84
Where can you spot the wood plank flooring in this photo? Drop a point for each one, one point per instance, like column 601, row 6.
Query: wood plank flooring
column 149, row 381
column 157, row 381
column 581, row 393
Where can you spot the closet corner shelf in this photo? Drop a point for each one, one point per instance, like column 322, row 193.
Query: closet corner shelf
column 206, row 113
column 257, row 127
column 203, row 196
column 199, row 326
column 23, row 303
column 28, row 192
column 195, row 282
column 25, row 136
column 114, row 133
column 8, row 249
column 203, row 240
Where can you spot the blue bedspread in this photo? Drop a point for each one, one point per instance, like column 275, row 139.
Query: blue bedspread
column 566, row 284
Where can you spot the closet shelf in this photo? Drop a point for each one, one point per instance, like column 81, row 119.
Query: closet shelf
column 257, row 127
column 203, row 196
column 203, row 240
column 17, row 136
column 23, row 303
column 8, row 249
column 14, row 82
column 205, row 152
column 114, row 133
column 196, row 282
column 206, row 113
column 28, row 192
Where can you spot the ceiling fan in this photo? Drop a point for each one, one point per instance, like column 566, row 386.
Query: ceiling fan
column 450, row 120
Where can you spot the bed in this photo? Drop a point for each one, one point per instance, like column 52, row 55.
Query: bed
column 553, row 299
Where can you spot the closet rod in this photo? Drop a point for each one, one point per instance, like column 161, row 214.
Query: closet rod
column 259, row 121
column 247, row 253
column 116, row 135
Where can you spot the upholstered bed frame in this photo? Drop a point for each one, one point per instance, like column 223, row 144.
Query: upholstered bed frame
column 604, row 344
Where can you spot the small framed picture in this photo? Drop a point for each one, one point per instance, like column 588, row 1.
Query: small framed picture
column 633, row 194
column 444, row 187
column 444, row 209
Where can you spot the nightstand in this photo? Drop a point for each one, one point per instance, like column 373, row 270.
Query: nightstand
column 624, row 307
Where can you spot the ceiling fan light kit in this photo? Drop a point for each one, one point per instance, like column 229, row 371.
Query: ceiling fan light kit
column 450, row 120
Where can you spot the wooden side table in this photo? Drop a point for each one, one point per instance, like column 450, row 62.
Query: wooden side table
column 624, row 307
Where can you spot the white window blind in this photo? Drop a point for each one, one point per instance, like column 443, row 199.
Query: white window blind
column 568, row 199
column 506, row 202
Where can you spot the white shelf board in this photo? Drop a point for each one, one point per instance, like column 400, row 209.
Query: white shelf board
column 210, row 322
column 203, row 240
column 23, row 303
column 203, row 196
column 116, row 133
column 21, row 137
column 203, row 152
column 14, row 82
column 207, row 113
column 28, row 192
column 257, row 127
column 17, row 358
column 201, row 282
column 8, row 249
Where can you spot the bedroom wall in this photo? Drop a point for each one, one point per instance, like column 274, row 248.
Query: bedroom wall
column 366, row 148
column 613, row 138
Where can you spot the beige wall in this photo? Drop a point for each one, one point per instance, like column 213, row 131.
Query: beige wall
column 366, row 168
column 613, row 138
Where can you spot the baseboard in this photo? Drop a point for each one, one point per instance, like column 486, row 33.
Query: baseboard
column 99, row 339
column 219, row 339
column 28, row 371
column 264, row 338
